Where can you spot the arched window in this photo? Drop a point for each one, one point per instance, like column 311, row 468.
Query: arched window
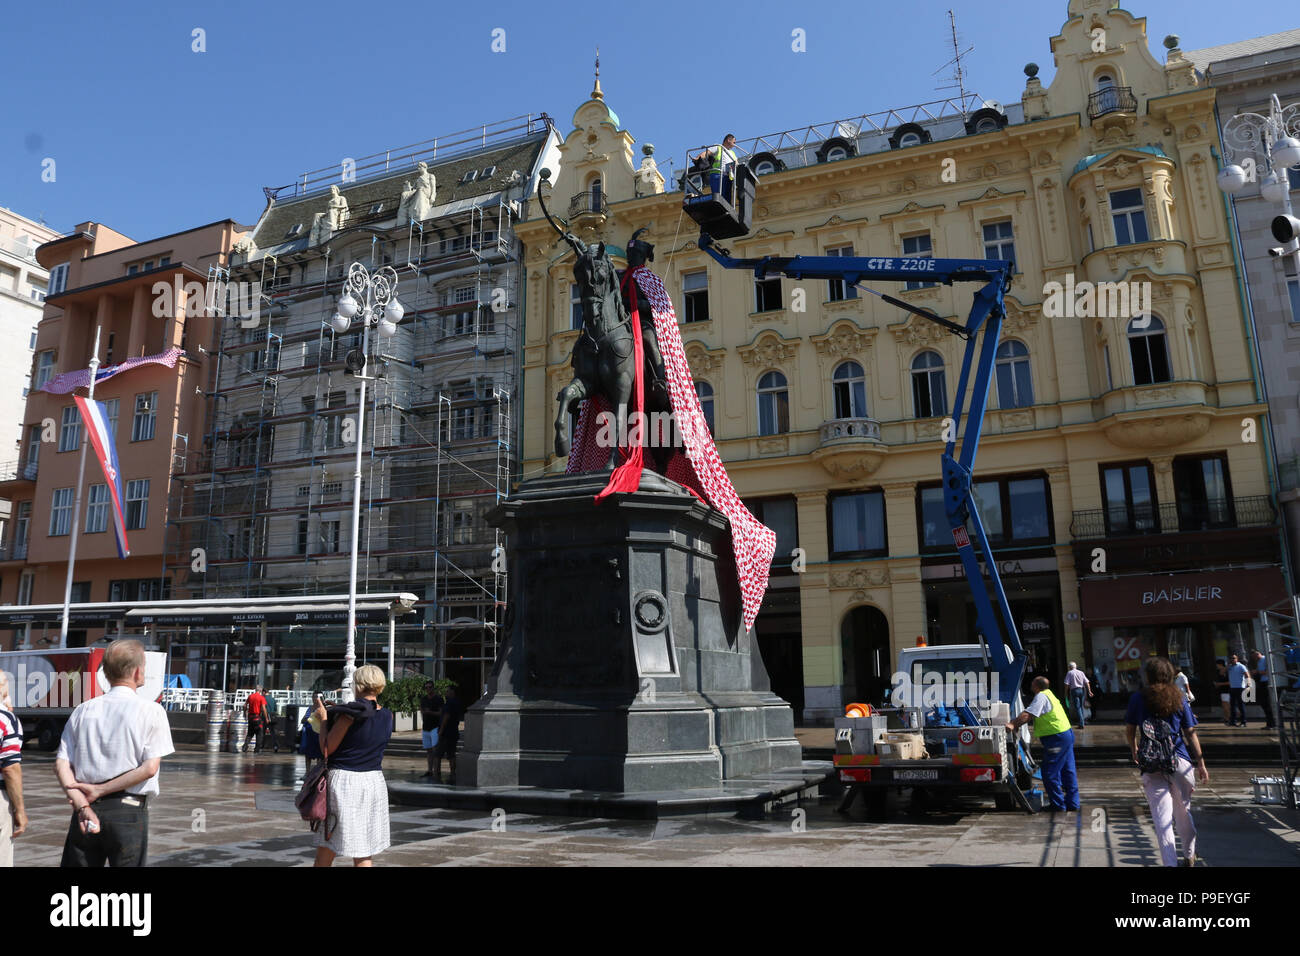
column 1148, row 350
column 849, row 386
column 1105, row 81
column 1015, row 385
column 987, row 125
column 909, row 139
column 705, row 393
column 773, row 404
column 929, row 386
column 763, row 167
column 595, row 194
column 836, row 153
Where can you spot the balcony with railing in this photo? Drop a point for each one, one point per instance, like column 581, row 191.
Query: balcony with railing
column 589, row 202
column 1111, row 99
column 1181, row 517
column 850, row 448
column 18, row 471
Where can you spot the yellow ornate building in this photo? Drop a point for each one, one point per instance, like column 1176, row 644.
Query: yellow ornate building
column 1117, row 450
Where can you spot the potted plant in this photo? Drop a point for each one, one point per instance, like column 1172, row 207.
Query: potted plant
column 402, row 697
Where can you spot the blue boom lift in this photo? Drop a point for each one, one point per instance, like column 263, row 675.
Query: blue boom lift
column 981, row 332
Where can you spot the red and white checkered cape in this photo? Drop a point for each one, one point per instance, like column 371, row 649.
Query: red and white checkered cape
column 699, row 470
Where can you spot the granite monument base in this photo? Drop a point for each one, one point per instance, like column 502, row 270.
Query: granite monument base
column 625, row 667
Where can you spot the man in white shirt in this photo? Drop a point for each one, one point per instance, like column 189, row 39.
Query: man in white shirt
column 1076, row 685
column 108, row 764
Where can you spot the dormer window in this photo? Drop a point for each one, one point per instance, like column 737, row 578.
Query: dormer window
column 909, row 134
column 469, row 176
column 487, row 173
column 836, row 148
column 763, row 163
column 293, row 231
column 376, row 209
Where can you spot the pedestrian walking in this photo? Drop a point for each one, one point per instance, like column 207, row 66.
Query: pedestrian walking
column 108, row 763
column 1259, row 671
column 448, row 736
column 308, row 739
column 1052, row 727
column 13, row 814
column 1161, row 731
column 270, row 719
column 431, row 713
column 1183, row 684
column 1221, row 683
column 256, row 707
column 353, row 738
column 1237, row 674
column 1077, row 685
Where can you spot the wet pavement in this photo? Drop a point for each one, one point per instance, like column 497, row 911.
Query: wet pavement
column 237, row 810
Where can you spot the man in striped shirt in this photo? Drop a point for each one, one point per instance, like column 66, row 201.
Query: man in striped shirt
column 13, row 816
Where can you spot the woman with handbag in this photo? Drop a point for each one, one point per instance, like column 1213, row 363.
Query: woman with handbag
column 353, row 739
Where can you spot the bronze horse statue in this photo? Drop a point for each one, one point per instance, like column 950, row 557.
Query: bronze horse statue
column 603, row 360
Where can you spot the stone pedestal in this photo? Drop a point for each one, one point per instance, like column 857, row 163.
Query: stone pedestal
column 625, row 666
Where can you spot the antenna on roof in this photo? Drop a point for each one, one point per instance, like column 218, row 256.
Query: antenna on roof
column 958, row 75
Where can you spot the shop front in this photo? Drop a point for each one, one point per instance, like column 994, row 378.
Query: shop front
column 1033, row 591
column 1194, row 618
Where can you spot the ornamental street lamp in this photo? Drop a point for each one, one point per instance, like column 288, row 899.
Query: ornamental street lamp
column 1263, row 149
column 371, row 297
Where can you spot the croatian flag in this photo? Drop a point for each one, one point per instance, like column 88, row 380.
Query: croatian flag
column 95, row 415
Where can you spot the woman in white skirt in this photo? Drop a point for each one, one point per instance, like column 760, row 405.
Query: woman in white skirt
column 354, row 742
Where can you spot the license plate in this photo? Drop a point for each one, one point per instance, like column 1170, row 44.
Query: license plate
column 916, row 774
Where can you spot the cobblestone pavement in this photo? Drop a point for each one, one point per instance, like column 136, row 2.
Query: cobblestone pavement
column 237, row 810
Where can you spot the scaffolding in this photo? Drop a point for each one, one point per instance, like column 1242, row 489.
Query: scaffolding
column 1280, row 632
column 266, row 501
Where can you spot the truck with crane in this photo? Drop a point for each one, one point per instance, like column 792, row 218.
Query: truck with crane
column 930, row 738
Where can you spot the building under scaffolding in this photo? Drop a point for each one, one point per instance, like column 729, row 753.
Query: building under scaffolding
column 262, row 505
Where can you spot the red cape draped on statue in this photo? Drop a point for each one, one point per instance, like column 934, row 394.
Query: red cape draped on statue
column 700, row 469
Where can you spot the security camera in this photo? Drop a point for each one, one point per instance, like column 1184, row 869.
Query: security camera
column 1277, row 252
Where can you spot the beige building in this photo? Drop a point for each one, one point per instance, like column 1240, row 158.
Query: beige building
column 1107, row 430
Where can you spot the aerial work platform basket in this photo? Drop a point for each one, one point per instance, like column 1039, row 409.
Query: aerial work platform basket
column 727, row 213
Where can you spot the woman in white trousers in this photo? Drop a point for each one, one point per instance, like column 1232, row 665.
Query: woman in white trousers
column 1161, row 728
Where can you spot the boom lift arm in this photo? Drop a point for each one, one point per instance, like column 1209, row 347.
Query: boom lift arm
column 986, row 315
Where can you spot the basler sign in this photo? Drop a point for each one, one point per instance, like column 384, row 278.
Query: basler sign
column 1229, row 595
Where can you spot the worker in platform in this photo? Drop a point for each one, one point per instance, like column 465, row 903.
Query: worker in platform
column 1052, row 728
column 720, row 161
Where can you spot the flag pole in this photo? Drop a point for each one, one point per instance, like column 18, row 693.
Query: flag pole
column 76, row 505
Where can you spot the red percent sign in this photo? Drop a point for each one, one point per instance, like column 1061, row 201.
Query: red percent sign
column 1127, row 647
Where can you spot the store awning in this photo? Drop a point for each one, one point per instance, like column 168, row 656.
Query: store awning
column 1232, row 595
column 305, row 609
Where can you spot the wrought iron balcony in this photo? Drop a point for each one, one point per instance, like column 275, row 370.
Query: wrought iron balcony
column 1175, row 517
column 588, row 202
column 18, row 471
column 1112, row 99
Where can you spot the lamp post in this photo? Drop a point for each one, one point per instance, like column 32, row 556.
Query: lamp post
column 371, row 297
column 1262, row 149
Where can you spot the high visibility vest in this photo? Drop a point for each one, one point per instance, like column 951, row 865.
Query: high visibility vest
column 1055, row 721
column 722, row 156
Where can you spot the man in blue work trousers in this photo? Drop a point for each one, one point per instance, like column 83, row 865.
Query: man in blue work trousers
column 1052, row 728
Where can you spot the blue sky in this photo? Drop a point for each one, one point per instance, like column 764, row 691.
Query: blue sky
column 151, row 137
